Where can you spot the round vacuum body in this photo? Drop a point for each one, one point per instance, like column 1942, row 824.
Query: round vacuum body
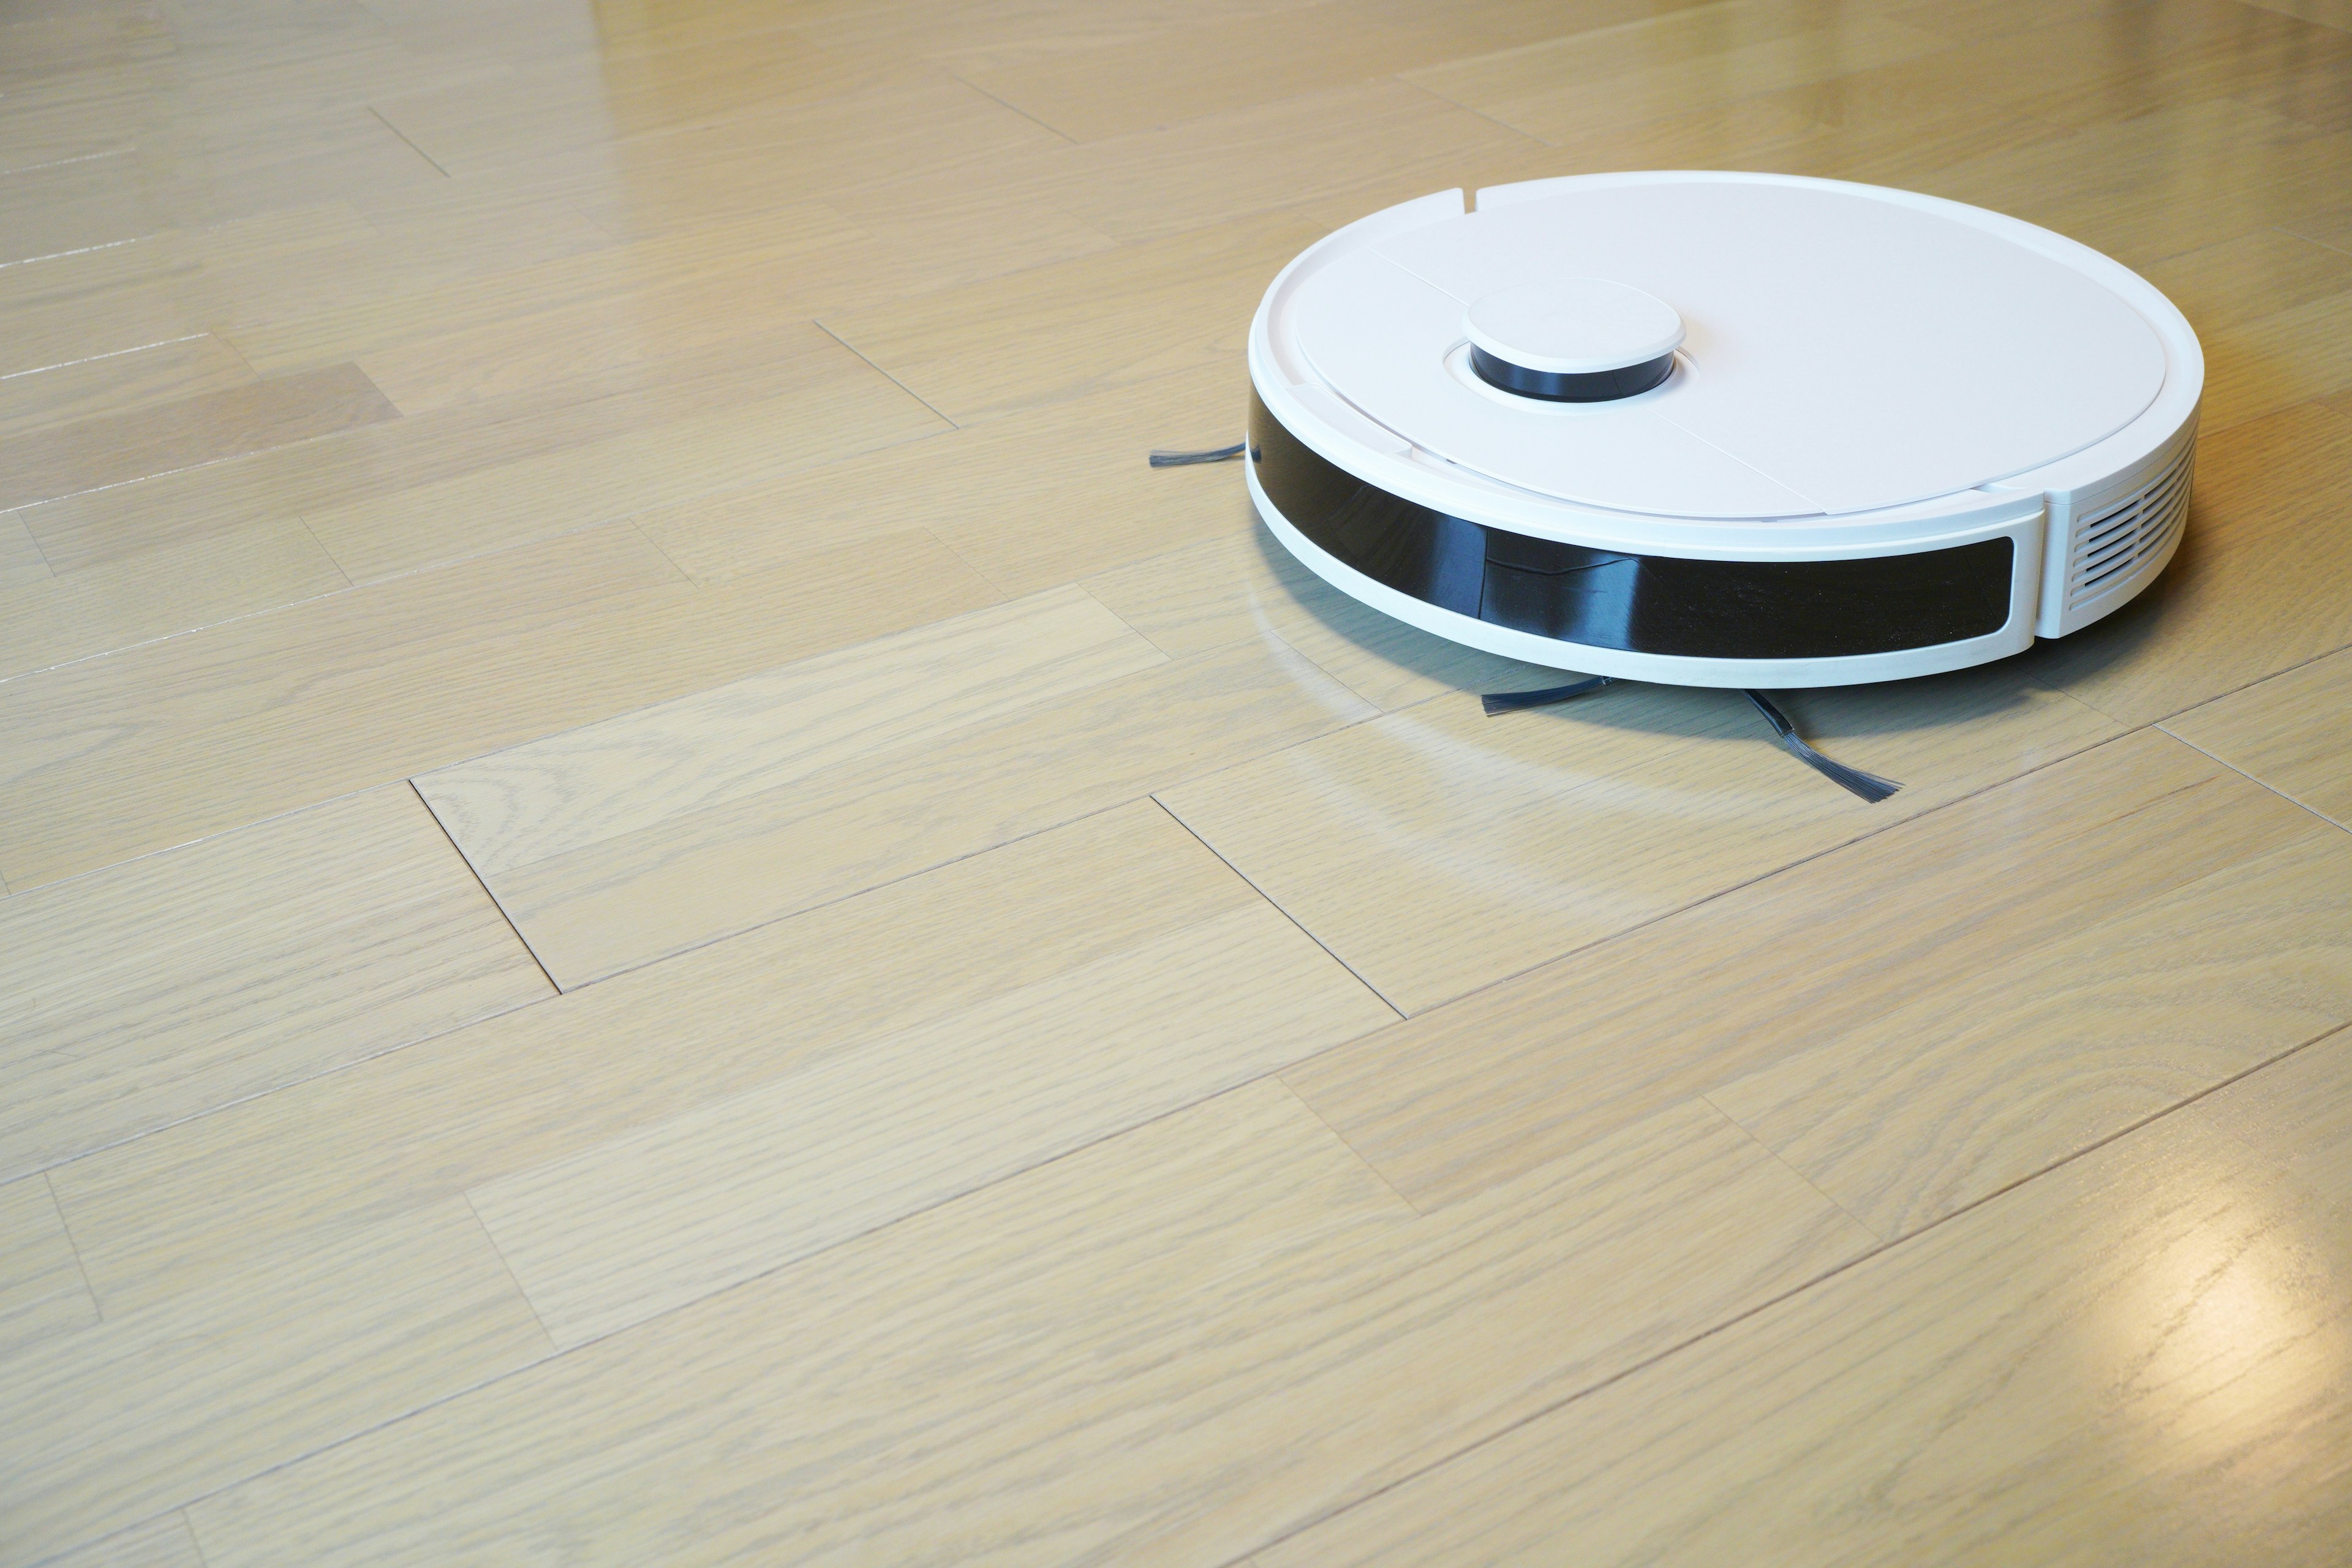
column 1722, row 429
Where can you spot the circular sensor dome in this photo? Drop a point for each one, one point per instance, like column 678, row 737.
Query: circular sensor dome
column 1572, row 340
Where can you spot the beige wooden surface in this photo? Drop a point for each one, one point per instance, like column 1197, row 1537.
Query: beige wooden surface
column 657, row 906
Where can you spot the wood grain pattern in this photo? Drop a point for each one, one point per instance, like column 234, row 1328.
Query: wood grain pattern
column 2141, row 1356
column 92, row 453
column 1355, row 144
column 42, row 1291
column 161, row 1542
column 165, row 743
column 117, row 383
column 825, row 402
column 934, row 787
column 1180, row 70
column 1482, row 1089
column 1097, row 323
column 2289, row 732
column 1961, row 1093
column 504, row 458
column 48, row 620
column 418, row 1127
column 1438, row 849
column 1032, row 500
column 666, row 1215
column 605, row 97
column 771, row 730
column 1562, row 90
column 1152, row 1351
column 164, row 987
column 152, row 1409
column 2270, row 310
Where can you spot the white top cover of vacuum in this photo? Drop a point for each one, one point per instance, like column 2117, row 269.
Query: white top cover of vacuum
column 1841, row 351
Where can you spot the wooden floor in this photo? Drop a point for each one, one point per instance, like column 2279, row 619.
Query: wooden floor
column 661, row 907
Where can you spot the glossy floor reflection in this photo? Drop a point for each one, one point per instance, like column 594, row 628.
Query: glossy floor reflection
column 657, row 905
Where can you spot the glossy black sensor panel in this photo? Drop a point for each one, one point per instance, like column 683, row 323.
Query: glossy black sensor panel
column 1639, row 604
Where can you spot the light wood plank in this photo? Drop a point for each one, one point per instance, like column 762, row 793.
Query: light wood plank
column 2257, row 587
column 1478, row 1090
column 42, row 1291
column 1097, row 323
column 828, row 404
column 418, row 1127
column 116, row 603
column 92, row 454
column 487, row 455
column 299, row 157
column 1189, row 70
column 119, row 383
column 164, row 987
column 1160, row 1349
column 2140, row 1357
column 1437, row 849
column 1032, row 500
column 1566, row 88
column 1963, row 1093
column 2172, row 179
column 2275, row 314
column 151, row 1410
column 275, row 265
column 896, row 809
column 1242, row 586
column 2239, row 283
column 2334, row 14
column 628, row 280
column 2289, row 732
column 900, row 29
column 164, row 742
column 771, row 731
column 616, row 1234
column 829, row 150
column 600, row 97
column 161, row 1542
column 1380, row 136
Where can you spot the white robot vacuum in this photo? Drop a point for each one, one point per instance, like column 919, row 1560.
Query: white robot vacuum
column 1722, row 429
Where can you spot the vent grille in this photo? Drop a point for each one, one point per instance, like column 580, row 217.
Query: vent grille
column 2108, row 546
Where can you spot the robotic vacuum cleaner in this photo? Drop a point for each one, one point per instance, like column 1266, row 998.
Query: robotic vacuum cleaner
column 1722, row 429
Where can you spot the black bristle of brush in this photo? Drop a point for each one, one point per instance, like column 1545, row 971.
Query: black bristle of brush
column 1512, row 701
column 1870, row 786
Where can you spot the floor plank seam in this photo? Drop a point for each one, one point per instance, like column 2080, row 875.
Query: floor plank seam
column 2250, row 778
column 886, row 375
column 1286, row 914
column 1067, row 139
column 460, row 851
column 744, row 1283
column 852, row 893
column 1778, row 1159
column 66, row 1225
column 1599, row 942
column 1379, row 1175
column 506, row 1263
column 232, row 1104
column 404, row 142
column 182, row 632
column 1825, row 1275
